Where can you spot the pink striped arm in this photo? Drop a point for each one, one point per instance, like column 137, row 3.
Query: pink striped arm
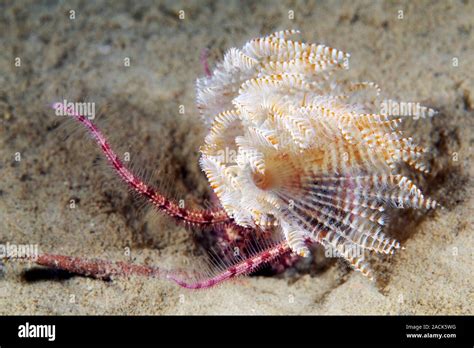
column 171, row 208
column 103, row 269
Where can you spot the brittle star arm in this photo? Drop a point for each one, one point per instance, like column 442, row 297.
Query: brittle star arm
column 194, row 217
column 103, row 269
column 204, row 62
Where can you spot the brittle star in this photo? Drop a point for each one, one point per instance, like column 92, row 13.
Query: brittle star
column 203, row 218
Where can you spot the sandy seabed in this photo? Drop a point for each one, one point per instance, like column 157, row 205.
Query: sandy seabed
column 412, row 58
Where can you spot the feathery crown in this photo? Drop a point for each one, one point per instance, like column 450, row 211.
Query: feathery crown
column 292, row 148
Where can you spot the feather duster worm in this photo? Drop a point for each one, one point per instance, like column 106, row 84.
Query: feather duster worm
column 293, row 149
